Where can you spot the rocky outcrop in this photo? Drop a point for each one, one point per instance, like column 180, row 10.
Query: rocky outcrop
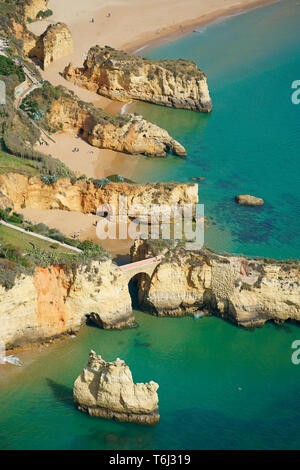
column 247, row 200
column 56, row 42
column 33, row 7
column 247, row 291
column 120, row 76
column 130, row 134
column 56, row 301
column 137, row 136
column 86, row 196
column 106, row 389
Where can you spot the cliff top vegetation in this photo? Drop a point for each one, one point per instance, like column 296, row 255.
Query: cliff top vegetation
column 20, row 253
column 38, row 106
column 181, row 67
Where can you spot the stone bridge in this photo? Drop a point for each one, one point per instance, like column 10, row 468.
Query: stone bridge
column 146, row 266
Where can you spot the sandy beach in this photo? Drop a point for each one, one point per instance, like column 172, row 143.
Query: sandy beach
column 91, row 161
column 70, row 222
column 133, row 25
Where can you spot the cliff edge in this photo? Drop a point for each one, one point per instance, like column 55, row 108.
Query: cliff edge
column 247, row 291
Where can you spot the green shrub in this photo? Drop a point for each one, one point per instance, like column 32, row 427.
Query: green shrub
column 49, row 179
column 100, row 183
column 8, row 67
column 44, row 14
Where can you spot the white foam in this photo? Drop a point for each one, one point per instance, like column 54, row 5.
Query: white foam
column 123, row 110
column 14, row 360
column 140, row 49
column 199, row 315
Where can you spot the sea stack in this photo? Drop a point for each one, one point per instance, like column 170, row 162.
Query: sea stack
column 55, row 43
column 121, row 76
column 106, row 389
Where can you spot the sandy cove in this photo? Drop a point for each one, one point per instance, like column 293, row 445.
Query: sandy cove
column 91, row 161
column 131, row 26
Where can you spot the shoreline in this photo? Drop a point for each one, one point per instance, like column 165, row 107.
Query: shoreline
column 183, row 29
column 142, row 40
column 177, row 32
column 99, row 163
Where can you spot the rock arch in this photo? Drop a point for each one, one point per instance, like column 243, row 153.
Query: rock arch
column 138, row 285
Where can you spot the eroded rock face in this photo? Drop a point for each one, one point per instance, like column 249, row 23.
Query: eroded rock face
column 247, row 200
column 106, row 389
column 55, row 43
column 137, row 136
column 84, row 196
column 247, row 291
column 134, row 135
column 117, row 75
column 55, row 302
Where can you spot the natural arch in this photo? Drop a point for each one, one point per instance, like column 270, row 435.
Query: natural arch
column 138, row 286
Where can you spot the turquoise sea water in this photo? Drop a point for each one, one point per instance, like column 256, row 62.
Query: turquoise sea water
column 221, row 387
column 250, row 144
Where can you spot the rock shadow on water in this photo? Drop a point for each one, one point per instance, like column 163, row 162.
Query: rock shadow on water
column 61, row 392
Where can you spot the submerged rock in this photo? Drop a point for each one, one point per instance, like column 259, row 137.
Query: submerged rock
column 247, row 200
column 106, row 389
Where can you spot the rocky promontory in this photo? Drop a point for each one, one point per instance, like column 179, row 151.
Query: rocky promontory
column 127, row 133
column 106, row 389
column 121, row 76
column 57, row 109
column 247, row 291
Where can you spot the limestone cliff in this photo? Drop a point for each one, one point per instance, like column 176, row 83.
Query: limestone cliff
column 56, row 301
column 247, row 291
column 60, row 109
column 112, row 73
column 14, row 21
column 56, row 42
column 85, row 196
column 107, row 390
column 130, row 134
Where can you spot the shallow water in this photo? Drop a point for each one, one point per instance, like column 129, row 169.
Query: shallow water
column 221, row 387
